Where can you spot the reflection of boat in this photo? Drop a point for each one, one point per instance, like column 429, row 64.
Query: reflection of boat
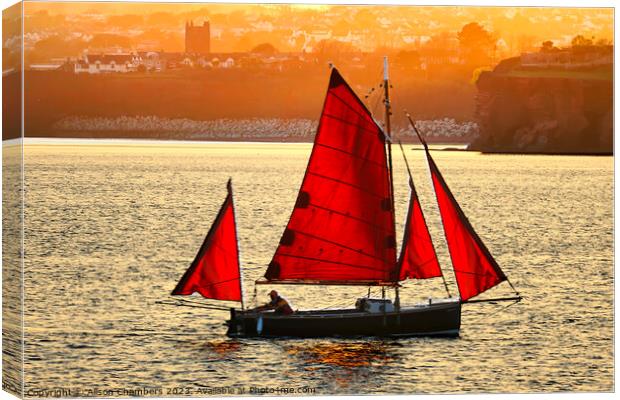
column 223, row 348
column 342, row 232
column 345, row 355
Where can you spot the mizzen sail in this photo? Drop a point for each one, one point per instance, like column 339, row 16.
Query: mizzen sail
column 418, row 259
column 342, row 225
column 215, row 271
column 475, row 268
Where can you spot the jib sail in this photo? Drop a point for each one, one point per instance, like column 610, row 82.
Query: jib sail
column 215, row 271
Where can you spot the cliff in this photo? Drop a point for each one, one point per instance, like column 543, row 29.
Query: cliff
column 545, row 110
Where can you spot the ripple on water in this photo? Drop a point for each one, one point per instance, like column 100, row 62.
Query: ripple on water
column 110, row 229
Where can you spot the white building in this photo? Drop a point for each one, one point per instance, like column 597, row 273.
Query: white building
column 105, row 63
column 151, row 61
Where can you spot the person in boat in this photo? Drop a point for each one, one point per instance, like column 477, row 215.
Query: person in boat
column 278, row 304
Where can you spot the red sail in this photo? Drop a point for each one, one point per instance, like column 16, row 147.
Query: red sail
column 474, row 267
column 215, row 271
column 342, row 226
column 418, row 259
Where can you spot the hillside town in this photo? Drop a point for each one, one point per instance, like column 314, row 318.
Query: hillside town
column 316, row 47
column 109, row 69
column 284, row 36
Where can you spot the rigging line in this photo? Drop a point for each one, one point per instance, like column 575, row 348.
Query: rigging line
column 191, row 305
column 361, row 189
column 218, row 283
column 376, row 226
column 331, row 262
column 342, row 303
column 171, row 303
column 197, row 302
column 358, row 100
column 479, row 319
column 415, row 128
column 379, row 96
column 397, row 100
column 513, row 288
column 379, row 92
column 406, row 161
column 338, row 305
column 340, row 245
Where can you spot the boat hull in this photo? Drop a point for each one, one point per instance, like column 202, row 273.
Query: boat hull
column 434, row 319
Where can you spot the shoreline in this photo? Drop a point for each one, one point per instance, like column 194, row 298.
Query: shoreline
column 73, row 141
column 38, row 140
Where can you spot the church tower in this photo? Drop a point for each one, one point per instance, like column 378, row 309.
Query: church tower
column 197, row 38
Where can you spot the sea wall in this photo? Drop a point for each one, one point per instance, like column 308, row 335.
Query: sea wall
column 444, row 130
column 541, row 113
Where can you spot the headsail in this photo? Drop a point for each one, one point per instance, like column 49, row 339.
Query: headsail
column 418, row 259
column 474, row 267
column 215, row 271
column 342, row 226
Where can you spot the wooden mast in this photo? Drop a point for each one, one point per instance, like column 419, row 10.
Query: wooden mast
column 232, row 199
column 388, row 131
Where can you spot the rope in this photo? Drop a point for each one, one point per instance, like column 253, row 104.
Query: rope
column 191, row 305
column 496, row 311
column 339, row 304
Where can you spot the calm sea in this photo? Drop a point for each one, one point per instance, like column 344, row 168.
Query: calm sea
column 111, row 227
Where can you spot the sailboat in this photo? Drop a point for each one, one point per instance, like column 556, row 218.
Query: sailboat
column 342, row 232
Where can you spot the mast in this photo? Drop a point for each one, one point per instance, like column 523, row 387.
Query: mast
column 232, row 199
column 388, row 131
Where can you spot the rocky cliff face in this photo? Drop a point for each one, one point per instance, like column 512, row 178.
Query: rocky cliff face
column 542, row 113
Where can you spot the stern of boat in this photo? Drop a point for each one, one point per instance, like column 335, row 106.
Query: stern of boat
column 241, row 324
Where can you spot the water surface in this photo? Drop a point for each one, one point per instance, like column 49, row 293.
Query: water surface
column 111, row 227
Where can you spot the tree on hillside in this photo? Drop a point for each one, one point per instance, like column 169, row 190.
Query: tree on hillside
column 548, row 47
column 603, row 42
column 264, row 48
column 581, row 41
column 477, row 44
column 334, row 51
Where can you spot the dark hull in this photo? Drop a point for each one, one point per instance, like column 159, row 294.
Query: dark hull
column 439, row 319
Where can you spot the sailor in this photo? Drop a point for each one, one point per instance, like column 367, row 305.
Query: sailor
column 278, row 304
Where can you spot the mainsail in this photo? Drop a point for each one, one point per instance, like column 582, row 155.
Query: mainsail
column 418, row 259
column 474, row 267
column 215, row 270
column 342, row 225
